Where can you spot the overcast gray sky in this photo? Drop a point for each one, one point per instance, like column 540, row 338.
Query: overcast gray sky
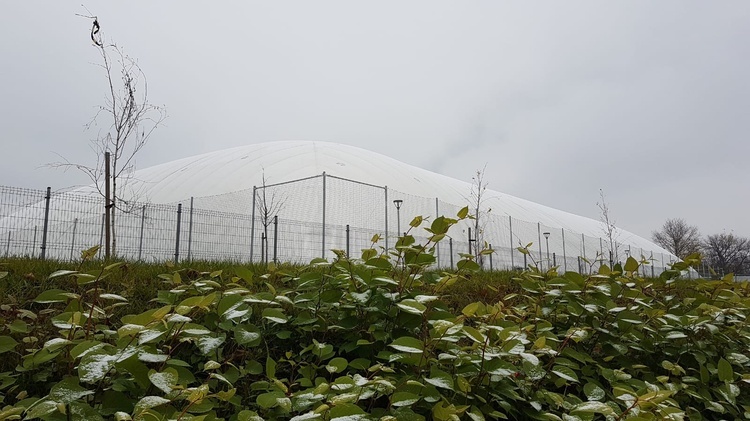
column 649, row 101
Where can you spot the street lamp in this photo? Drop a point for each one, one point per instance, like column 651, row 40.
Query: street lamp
column 546, row 239
column 398, row 203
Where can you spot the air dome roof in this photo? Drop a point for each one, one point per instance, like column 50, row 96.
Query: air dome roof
column 243, row 167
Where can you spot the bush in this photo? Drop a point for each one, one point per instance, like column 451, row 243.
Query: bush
column 380, row 337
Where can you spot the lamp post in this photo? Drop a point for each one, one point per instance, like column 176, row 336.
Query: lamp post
column 546, row 239
column 398, row 203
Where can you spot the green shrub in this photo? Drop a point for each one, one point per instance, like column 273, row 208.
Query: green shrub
column 380, row 337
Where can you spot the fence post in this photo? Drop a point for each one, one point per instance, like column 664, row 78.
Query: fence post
column 450, row 245
column 263, row 248
column 386, row 217
column 323, row 240
column 73, row 241
column 275, row 237
column 143, row 223
column 252, row 226
column 33, row 247
column 190, row 230
column 177, row 237
column 580, row 268
column 107, row 207
column 7, row 245
column 583, row 245
column 565, row 256
column 437, row 215
column 652, row 264
column 491, row 265
column 347, row 241
column 470, row 240
column 101, row 234
column 554, row 259
column 46, row 222
column 510, row 228
column 539, row 233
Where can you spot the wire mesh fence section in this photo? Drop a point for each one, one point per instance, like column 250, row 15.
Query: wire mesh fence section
column 214, row 235
column 301, row 201
column 294, row 221
column 356, row 204
column 20, row 232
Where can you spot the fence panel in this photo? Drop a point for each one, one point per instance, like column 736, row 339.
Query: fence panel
column 292, row 221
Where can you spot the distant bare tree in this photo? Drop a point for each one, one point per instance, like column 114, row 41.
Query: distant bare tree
column 727, row 253
column 476, row 198
column 678, row 237
column 129, row 120
column 609, row 227
column 268, row 204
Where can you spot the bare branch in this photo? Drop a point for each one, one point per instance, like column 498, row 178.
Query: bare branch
column 609, row 227
column 131, row 120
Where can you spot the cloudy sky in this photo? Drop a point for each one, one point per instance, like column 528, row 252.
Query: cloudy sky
column 649, row 101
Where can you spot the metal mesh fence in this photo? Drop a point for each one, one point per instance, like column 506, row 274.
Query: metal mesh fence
column 293, row 221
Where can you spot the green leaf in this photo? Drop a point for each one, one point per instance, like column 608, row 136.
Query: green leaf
column 247, row 335
column 594, row 392
column 467, row 264
column 113, row 297
column 164, row 381
column 404, row 399
column 68, row 391
column 245, row 273
column 592, row 407
column 59, row 273
column 408, row 344
column 412, row 306
column 53, row 296
column 474, row 334
column 148, row 402
column 337, row 365
column 416, row 222
column 368, row 254
column 726, row 373
column 347, row 412
column 41, row 409
column 566, row 373
column 275, row 315
column 270, row 368
column 463, row 213
column 440, row 379
column 476, row 414
column 471, row 309
column 247, row 415
column 209, row 344
column 440, row 225
column 7, row 344
column 269, row 399
column 631, row 265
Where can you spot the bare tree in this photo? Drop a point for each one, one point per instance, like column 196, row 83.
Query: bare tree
column 609, row 227
column 678, row 237
column 476, row 198
column 727, row 253
column 129, row 120
column 268, row 204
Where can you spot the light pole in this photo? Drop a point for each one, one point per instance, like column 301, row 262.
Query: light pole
column 546, row 239
column 398, row 203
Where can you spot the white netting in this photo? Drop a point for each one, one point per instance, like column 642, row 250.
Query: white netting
column 286, row 221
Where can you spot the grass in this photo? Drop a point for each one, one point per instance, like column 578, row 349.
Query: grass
column 139, row 282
